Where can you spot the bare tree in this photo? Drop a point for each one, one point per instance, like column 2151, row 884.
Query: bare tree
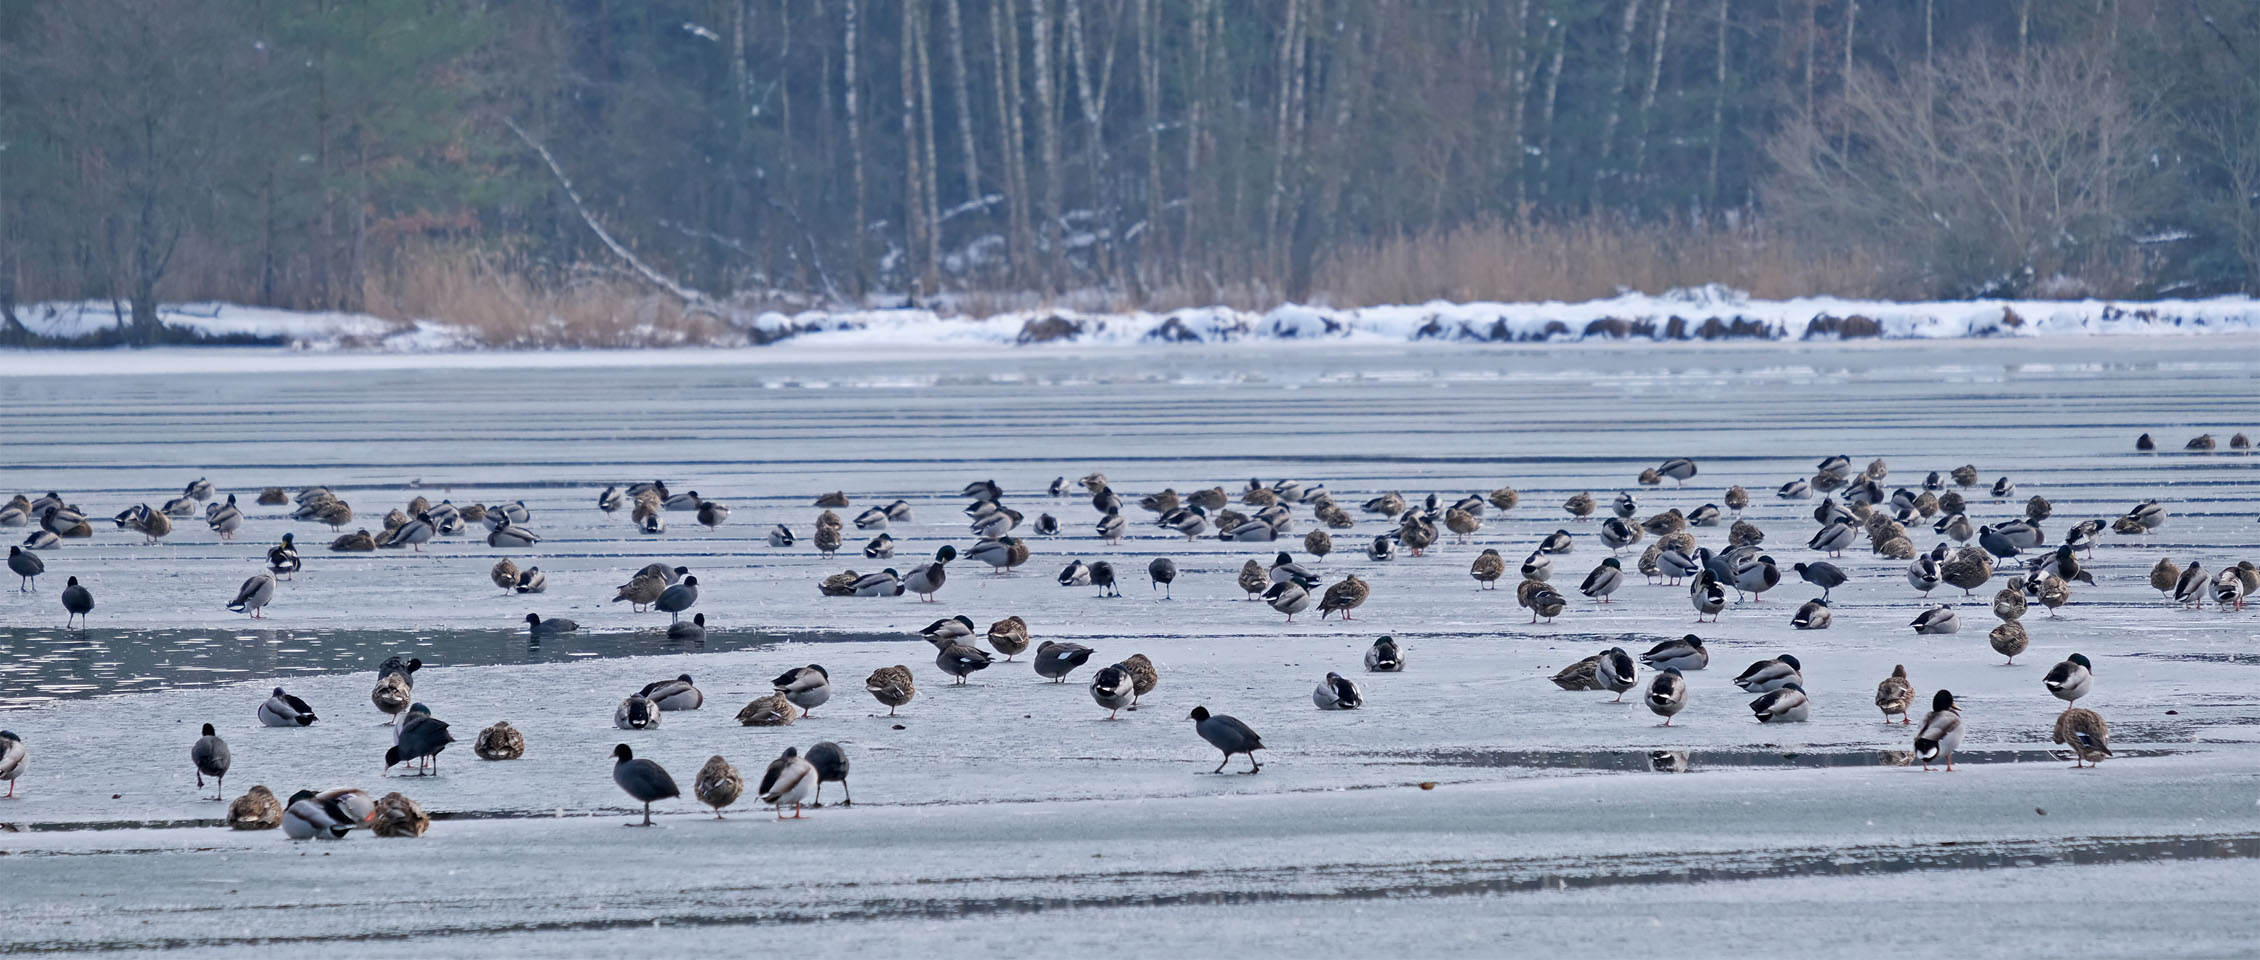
column 1991, row 172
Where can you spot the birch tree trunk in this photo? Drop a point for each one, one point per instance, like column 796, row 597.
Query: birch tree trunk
column 1546, row 114
column 963, row 100
column 1149, row 95
column 1290, row 42
column 1648, row 97
column 1615, row 112
column 858, row 275
column 1718, row 116
column 932, row 281
column 1004, row 33
column 1047, row 139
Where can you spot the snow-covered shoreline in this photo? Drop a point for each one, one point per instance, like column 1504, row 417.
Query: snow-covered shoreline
column 1706, row 314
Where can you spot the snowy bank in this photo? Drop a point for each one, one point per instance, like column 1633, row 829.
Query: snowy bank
column 1711, row 313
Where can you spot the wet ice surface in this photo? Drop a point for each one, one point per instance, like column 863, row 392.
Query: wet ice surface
column 1008, row 815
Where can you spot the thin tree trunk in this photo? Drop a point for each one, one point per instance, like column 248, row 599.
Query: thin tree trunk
column 1812, row 52
column 1004, row 34
column 858, row 278
column 1518, row 102
column 1718, row 116
column 1196, row 97
column 914, row 180
column 1092, row 97
column 1648, row 97
column 1851, row 18
column 964, row 101
column 1928, row 21
column 2024, row 30
column 932, row 190
column 1149, row 93
column 1615, row 112
column 1290, row 41
column 1047, row 139
column 1546, row 114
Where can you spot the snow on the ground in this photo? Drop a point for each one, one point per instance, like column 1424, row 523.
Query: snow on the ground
column 1007, row 812
column 1700, row 314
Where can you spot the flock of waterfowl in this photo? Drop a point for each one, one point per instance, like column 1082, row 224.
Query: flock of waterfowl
column 1855, row 507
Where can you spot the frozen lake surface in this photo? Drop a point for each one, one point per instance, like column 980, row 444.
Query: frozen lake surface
column 1008, row 815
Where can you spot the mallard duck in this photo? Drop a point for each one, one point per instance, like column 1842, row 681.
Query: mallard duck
column 2009, row 639
column 1382, row 549
column 807, row 687
column 2052, row 592
column 1794, row 490
column 1675, row 562
column 1707, row 595
column 1603, row 580
column 2009, row 603
column 790, row 779
column 1504, row 498
column 840, row 584
column 1650, row 563
column 1253, row 579
column 1547, row 603
column 1008, row 636
column 1685, row 653
column 2084, row 731
column 2070, row 679
column 1769, row 675
column 1384, row 656
column 1580, row 505
column 2190, row 589
column 1813, row 615
column 1538, row 566
column 1895, row 694
column 881, row 547
column 672, row 695
column 1112, row 689
column 254, row 595
column 1344, row 597
column 14, row 757
column 1337, row 692
column 1786, row 704
column 996, row 553
column 1969, row 568
column 1318, row 543
column 1667, row 694
column 2164, row 576
column 399, row 817
column 1614, row 672
column 499, row 742
column 2202, row 443
column 959, row 659
column 926, row 579
column 533, row 581
column 1941, row 731
column 1581, row 675
column 1755, row 576
column 1076, row 574
column 1288, row 597
column 1925, row 574
column 1462, row 523
column 328, row 815
column 392, row 695
column 1937, row 620
column 1616, row 534
column 636, row 712
column 257, row 809
column 770, row 711
column 1896, row 548
column 892, row 686
column 718, row 784
column 1744, row 534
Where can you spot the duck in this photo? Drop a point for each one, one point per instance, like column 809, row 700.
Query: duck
column 1613, row 671
column 892, row 686
column 1925, row 574
column 2190, row 589
column 1616, row 534
column 1337, row 692
column 1707, row 596
column 1344, row 597
column 1756, row 575
column 2228, row 590
column 1546, row 602
column 1766, row 676
column 2084, row 731
column 283, row 710
column 2009, row 604
column 1683, row 654
column 926, row 579
column 959, row 659
column 1008, row 636
column 1076, row 574
column 672, row 695
column 254, row 595
column 770, row 711
column 1538, row 566
column 1969, row 568
column 1675, row 563
column 1382, row 549
column 643, row 780
column 359, row 541
column 1937, row 620
column 392, row 695
column 1603, row 581
column 1113, row 689
column 885, row 583
column 781, row 536
column 1895, row 694
column 2009, row 639
column 636, row 712
column 14, row 758
column 2164, row 576
column 413, row 534
column 1787, row 704
column 2052, row 592
column 1795, row 490
column 1580, row 505
column 539, row 627
column 1667, row 694
column 328, row 815
column 501, row 741
column 1385, row 656
column 807, row 687
column 1833, row 537
column 1941, row 732
column 2071, row 679
column 790, row 779
column 1581, row 675
column 717, row 785
column 1288, row 597
column 2149, row 515
column 509, row 536
column 1055, row 660
column 257, row 809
